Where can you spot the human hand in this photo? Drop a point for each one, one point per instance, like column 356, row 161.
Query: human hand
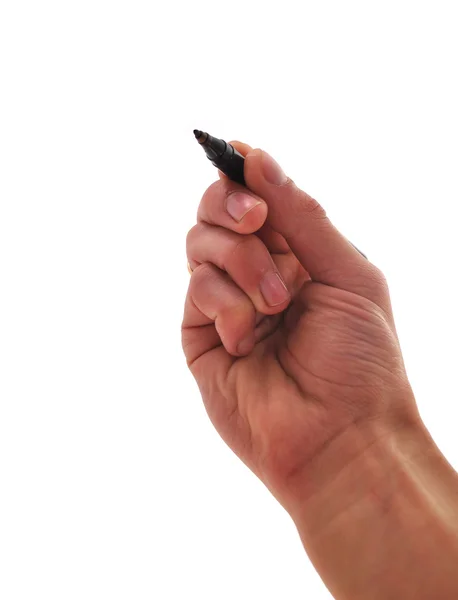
column 307, row 385
column 286, row 371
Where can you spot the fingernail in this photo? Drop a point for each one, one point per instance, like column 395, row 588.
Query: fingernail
column 273, row 289
column 239, row 204
column 272, row 171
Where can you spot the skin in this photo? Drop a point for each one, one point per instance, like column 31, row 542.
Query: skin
column 312, row 394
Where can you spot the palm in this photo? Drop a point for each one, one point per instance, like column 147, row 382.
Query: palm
column 315, row 367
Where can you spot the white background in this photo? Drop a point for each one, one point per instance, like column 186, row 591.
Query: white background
column 113, row 483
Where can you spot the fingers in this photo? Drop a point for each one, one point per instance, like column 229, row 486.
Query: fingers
column 246, row 260
column 226, row 194
column 237, row 206
column 231, row 205
column 213, row 299
column 322, row 250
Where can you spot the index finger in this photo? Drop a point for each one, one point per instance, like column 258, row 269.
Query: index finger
column 274, row 241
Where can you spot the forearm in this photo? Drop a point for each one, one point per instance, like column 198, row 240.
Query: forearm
column 383, row 521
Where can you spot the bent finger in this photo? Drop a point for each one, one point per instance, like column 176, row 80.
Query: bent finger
column 216, row 312
column 231, row 205
column 246, row 259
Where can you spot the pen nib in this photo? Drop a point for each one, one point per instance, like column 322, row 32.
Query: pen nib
column 201, row 136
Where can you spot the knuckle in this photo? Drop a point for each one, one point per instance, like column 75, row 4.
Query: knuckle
column 191, row 235
column 216, row 189
column 306, row 209
column 202, row 275
column 374, row 283
column 204, row 272
column 243, row 246
column 378, row 278
column 308, row 206
column 213, row 188
column 208, row 199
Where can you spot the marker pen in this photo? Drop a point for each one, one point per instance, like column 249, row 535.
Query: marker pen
column 228, row 160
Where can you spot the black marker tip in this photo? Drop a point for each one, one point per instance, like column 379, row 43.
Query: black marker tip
column 197, row 133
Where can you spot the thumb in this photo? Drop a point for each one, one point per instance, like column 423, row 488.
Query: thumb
column 322, row 250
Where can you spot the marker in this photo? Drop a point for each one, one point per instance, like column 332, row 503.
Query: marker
column 228, row 160
column 224, row 156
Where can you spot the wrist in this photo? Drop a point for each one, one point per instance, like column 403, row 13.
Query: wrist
column 379, row 513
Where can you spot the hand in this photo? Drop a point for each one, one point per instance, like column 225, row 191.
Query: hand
column 305, row 382
column 288, row 330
